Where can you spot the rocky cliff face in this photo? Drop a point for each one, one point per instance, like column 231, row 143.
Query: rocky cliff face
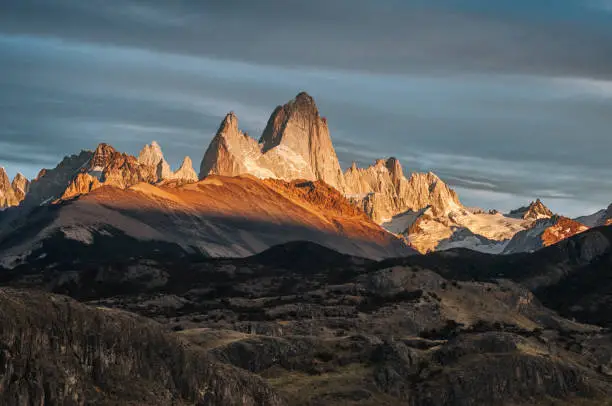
column 185, row 173
column 21, row 186
column 295, row 145
column 535, row 211
column 12, row 193
column 110, row 167
column 56, row 351
column 50, row 184
column 383, row 191
column 298, row 126
column 151, row 155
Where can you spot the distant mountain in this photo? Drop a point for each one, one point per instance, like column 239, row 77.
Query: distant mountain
column 535, row 211
column 383, row 191
column 544, row 232
column 601, row 218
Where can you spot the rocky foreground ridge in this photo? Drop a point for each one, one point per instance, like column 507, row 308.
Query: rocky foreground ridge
column 300, row 324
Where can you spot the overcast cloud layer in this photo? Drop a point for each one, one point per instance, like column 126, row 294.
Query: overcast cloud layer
column 506, row 100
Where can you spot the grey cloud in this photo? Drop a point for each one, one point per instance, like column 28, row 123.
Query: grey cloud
column 414, row 82
column 364, row 35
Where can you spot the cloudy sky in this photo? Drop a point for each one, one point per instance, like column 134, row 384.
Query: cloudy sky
column 505, row 100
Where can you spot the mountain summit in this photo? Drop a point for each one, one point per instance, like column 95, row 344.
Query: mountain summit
column 294, row 145
column 535, row 211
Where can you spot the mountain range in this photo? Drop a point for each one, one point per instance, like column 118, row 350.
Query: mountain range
column 295, row 147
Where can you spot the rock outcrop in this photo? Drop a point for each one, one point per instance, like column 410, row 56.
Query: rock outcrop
column 57, row 351
column 535, row 211
column 185, row 173
column 109, row 167
column 12, row 193
column 82, row 184
column 152, row 155
column 21, row 186
column 383, row 191
column 294, row 145
column 297, row 126
column 50, row 184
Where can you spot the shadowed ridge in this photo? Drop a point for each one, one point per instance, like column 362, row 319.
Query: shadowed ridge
column 304, row 255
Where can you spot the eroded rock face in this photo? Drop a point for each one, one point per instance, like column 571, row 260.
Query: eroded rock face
column 50, row 184
column 54, row 350
column 185, row 173
column 383, row 191
column 298, row 126
column 21, row 186
column 12, row 193
column 152, row 155
column 535, row 211
column 295, row 145
column 109, row 167
column 82, row 184
column 7, row 193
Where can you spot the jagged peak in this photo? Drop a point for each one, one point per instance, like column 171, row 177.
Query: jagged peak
column 152, row 155
column 186, row 172
column 302, row 107
column 428, row 177
column 41, row 173
column 19, row 176
column 395, row 167
column 304, row 100
column 104, row 148
column 101, row 157
column 534, row 211
column 186, row 162
column 4, row 180
column 20, row 182
column 152, row 148
column 229, row 124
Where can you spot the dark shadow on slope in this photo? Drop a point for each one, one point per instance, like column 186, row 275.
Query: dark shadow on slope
column 208, row 234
